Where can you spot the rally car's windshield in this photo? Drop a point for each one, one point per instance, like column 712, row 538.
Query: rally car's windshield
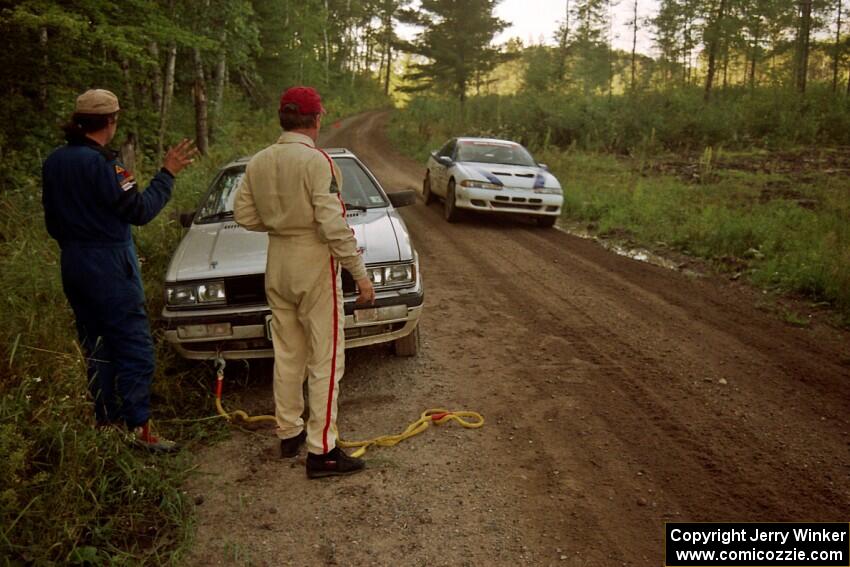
column 494, row 152
column 358, row 191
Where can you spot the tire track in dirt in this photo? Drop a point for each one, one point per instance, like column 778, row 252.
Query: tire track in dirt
column 769, row 482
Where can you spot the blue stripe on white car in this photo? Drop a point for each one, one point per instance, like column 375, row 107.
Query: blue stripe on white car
column 539, row 181
column 490, row 177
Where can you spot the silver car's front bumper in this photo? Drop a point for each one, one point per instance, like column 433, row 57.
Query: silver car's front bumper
column 522, row 201
column 248, row 331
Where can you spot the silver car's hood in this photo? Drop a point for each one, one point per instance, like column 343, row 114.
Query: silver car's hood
column 516, row 176
column 225, row 249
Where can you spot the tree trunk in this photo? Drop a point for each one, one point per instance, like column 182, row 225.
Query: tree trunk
column 167, row 95
column 756, row 40
column 563, row 43
column 199, row 92
column 128, row 148
column 837, row 54
column 42, row 89
column 803, row 44
column 156, row 76
column 389, row 67
column 327, row 44
column 713, row 46
column 634, row 43
column 220, row 77
column 128, row 151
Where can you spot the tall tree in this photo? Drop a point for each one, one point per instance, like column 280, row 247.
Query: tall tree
column 590, row 44
column 562, row 35
column 713, row 40
column 804, row 31
column 456, row 41
column 634, row 25
column 836, row 55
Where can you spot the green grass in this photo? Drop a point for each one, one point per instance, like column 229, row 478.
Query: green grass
column 786, row 226
column 70, row 494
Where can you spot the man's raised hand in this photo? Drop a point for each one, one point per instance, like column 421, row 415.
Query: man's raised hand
column 180, row 156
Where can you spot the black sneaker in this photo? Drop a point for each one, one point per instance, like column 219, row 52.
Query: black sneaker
column 289, row 447
column 333, row 463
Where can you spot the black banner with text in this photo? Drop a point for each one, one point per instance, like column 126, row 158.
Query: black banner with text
column 757, row 545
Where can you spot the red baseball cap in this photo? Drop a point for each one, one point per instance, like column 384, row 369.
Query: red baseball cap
column 305, row 99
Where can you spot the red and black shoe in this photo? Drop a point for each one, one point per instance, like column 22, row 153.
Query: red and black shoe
column 143, row 437
column 333, row 463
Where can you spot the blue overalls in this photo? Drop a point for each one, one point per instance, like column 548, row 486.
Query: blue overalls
column 90, row 200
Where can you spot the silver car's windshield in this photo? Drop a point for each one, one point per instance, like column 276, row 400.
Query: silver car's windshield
column 358, row 191
column 504, row 153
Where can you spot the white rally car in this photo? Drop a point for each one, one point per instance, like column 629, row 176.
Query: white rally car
column 489, row 175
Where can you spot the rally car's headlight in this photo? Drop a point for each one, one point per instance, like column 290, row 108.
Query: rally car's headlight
column 476, row 184
column 549, row 190
column 396, row 275
column 201, row 293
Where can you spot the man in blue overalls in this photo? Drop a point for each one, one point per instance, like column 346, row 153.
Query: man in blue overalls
column 90, row 200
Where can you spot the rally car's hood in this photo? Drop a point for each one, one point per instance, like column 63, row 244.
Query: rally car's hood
column 225, row 249
column 513, row 176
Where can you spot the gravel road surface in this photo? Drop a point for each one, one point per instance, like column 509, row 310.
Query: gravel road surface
column 618, row 395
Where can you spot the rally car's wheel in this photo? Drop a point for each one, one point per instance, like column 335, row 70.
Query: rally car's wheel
column 409, row 345
column 546, row 222
column 450, row 210
column 427, row 196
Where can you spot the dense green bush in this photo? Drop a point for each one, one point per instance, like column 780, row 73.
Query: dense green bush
column 676, row 120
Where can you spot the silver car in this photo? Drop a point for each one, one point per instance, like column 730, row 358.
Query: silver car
column 215, row 300
column 490, row 175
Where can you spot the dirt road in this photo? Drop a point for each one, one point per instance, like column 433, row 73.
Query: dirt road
column 618, row 395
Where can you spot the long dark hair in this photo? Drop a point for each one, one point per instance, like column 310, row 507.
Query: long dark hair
column 81, row 124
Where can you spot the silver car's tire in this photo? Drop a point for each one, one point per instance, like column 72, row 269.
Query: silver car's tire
column 450, row 210
column 409, row 345
column 427, row 195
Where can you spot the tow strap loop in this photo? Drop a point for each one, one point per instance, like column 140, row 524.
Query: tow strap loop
column 436, row 416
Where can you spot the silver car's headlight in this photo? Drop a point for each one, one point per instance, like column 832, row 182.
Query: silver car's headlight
column 476, row 184
column 396, row 275
column 549, row 190
column 199, row 293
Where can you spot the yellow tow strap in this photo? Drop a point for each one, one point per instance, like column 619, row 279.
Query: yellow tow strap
column 437, row 416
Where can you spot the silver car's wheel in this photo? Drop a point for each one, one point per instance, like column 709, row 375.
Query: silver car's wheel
column 450, row 210
column 427, row 196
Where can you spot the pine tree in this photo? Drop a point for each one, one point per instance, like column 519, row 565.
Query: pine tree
column 456, row 42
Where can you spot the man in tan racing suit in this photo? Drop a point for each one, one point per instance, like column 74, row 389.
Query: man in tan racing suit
column 292, row 191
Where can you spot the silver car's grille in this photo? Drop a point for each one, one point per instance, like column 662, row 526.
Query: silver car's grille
column 246, row 290
column 251, row 290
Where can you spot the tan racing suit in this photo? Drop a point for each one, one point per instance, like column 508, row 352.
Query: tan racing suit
column 292, row 191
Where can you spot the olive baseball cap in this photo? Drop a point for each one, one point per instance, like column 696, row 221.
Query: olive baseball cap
column 97, row 101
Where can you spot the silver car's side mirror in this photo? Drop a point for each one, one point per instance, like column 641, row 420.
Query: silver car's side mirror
column 543, row 166
column 444, row 160
column 402, row 198
column 186, row 219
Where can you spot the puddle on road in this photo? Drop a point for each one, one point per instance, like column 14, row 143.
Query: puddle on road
column 639, row 254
